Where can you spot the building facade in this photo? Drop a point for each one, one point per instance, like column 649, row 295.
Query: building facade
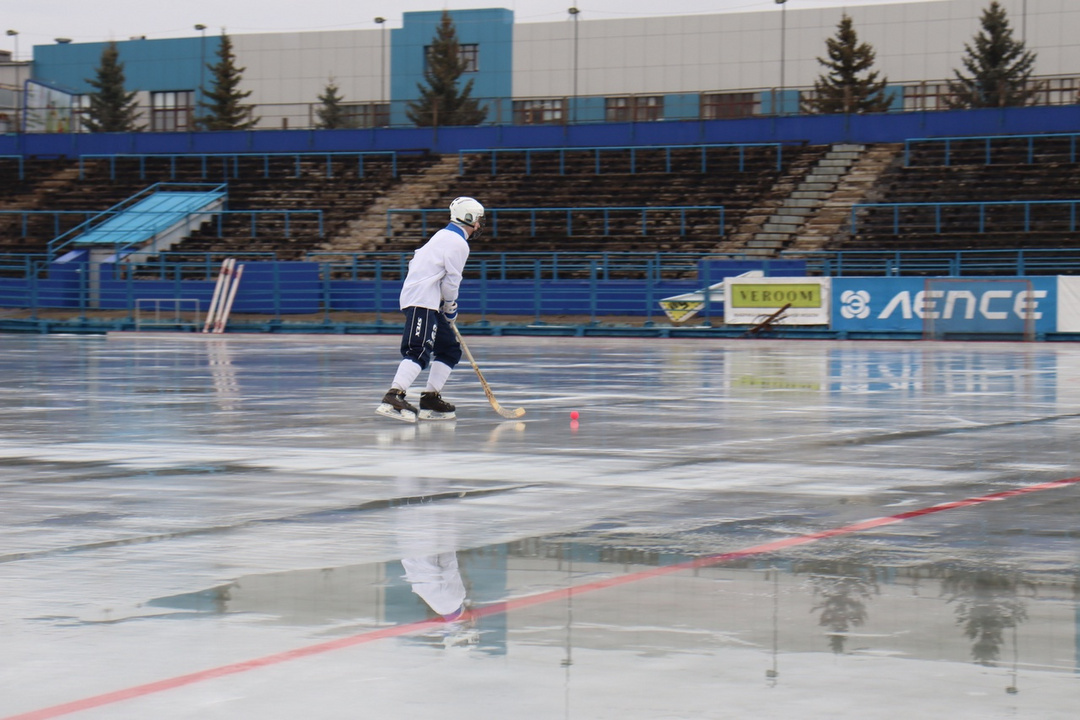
column 723, row 65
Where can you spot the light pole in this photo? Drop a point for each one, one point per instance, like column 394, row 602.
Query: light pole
column 14, row 35
column 381, row 22
column 783, row 41
column 193, row 112
column 202, row 58
column 574, row 12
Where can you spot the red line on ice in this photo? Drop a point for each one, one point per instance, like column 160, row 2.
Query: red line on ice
column 516, row 603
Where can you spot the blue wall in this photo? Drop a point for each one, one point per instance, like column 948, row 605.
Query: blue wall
column 151, row 65
column 815, row 129
column 492, row 30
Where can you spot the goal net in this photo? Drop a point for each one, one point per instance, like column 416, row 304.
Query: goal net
column 984, row 309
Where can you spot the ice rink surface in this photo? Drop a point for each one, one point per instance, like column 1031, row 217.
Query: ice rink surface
column 198, row 527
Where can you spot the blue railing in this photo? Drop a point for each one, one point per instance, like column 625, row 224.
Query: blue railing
column 568, row 213
column 943, row 263
column 988, row 142
column 19, row 162
column 599, row 152
column 25, row 216
column 541, row 288
column 978, row 219
column 503, row 266
column 59, row 228
column 230, row 162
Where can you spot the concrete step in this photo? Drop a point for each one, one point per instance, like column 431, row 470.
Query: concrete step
column 848, row 147
column 789, row 211
column 810, row 185
column 781, row 237
column 788, row 228
column 803, row 203
column 756, row 243
column 828, row 162
column 809, row 195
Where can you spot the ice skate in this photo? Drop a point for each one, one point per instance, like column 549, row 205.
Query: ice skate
column 394, row 405
column 433, row 407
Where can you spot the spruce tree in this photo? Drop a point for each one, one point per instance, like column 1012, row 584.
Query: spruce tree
column 999, row 67
column 223, row 108
column 442, row 102
column 330, row 113
column 844, row 88
column 112, row 108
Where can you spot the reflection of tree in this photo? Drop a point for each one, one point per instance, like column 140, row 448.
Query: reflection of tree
column 842, row 589
column 987, row 603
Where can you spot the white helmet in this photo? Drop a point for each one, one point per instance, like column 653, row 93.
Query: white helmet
column 466, row 211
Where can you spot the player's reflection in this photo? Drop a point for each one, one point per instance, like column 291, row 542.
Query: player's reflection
column 436, row 579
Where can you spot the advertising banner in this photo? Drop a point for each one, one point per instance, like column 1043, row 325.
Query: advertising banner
column 968, row 305
column 749, row 301
column 1068, row 303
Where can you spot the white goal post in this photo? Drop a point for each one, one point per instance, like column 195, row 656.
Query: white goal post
column 173, row 313
column 978, row 309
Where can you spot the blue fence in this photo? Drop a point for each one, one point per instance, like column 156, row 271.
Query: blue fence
column 813, row 129
column 229, row 162
column 990, row 142
column 630, row 151
column 658, row 213
column 943, row 263
column 495, row 283
column 928, row 216
column 503, row 292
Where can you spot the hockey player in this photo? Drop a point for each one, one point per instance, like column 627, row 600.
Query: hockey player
column 429, row 301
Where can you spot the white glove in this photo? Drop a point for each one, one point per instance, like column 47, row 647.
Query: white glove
column 449, row 310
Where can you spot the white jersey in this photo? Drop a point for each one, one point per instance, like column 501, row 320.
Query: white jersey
column 435, row 270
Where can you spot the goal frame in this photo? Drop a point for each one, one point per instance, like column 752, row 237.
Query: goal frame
column 954, row 308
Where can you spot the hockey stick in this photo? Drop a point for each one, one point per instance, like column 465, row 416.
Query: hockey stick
column 483, row 383
column 222, row 281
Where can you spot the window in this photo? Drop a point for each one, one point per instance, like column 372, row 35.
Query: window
column 80, row 104
column 367, row 115
column 637, row 108
column 927, row 96
column 715, row 106
column 539, row 112
column 467, row 53
column 171, row 111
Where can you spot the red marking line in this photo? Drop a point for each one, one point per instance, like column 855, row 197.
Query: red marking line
column 517, row 603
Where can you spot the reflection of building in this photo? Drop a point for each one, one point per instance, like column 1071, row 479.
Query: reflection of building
column 752, row 608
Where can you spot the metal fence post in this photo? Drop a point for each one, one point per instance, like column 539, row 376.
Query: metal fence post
column 536, row 293
column 483, row 293
column 593, row 292
column 378, row 292
column 325, row 272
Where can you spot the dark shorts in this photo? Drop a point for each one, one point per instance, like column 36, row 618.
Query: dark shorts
column 428, row 335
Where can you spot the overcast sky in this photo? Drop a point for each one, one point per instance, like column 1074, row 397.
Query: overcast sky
column 39, row 22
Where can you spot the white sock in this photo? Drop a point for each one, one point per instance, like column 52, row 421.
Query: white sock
column 437, row 376
column 406, row 374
